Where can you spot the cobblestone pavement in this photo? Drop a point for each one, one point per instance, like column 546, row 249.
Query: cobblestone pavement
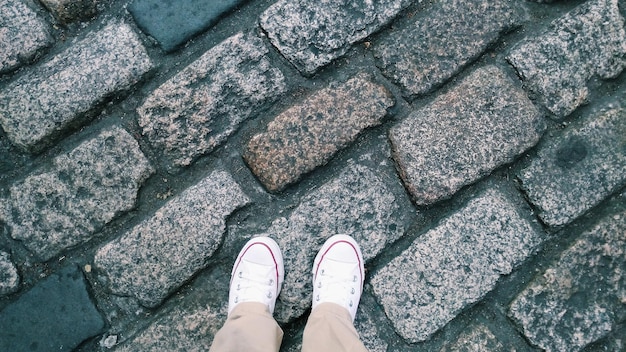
column 475, row 149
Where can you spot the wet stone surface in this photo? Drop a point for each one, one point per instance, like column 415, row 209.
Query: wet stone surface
column 589, row 41
column 67, row 318
column 579, row 168
column 172, row 23
column 35, row 108
column 68, row 11
column 441, row 41
column 454, row 265
column 477, row 338
column 145, row 141
column 196, row 110
column 161, row 253
column 482, row 123
column 188, row 326
column 309, row 134
column 582, row 296
column 23, row 34
column 9, row 277
column 85, row 189
column 313, row 34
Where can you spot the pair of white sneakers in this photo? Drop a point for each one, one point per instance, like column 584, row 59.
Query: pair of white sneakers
column 338, row 274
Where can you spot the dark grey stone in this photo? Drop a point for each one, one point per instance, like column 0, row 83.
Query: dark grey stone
column 84, row 190
column 36, row 107
column 477, row 337
column 442, row 40
column 161, row 253
column 311, row 34
column 55, row 315
column 454, row 265
column 196, row 110
column 181, row 329
column 356, row 203
column 581, row 297
column 67, row 11
column 308, row 134
column 575, row 171
column 482, row 123
column 23, row 34
column 9, row 277
column 172, row 23
column 589, row 41
column 190, row 324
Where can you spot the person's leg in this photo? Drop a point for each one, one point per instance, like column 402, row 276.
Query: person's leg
column 256, row 280
column 338, row 274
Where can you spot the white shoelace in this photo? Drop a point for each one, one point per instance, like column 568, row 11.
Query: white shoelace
column 340, row 289
column 250, row 285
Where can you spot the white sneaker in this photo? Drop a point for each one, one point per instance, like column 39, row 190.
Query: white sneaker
column 258, row 274
column 338, row 273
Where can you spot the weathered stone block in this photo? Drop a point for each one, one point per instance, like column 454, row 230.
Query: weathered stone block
column 356, row 203
column 454, row 265
column 313, row 34
column 9, row 277
column 67, row 11
column 307, row 135
column 172, row 23
column 482, row 123
column 55, row 315
column 178, row 331
column 589, row 41
column 578, row 169
column 443, row 40
column 477, row 338
column 161, row 253
column 191, row 323
column 84, row 190
column 23, row 34
column 201, row 106
column 581, row 297
column 38, row 106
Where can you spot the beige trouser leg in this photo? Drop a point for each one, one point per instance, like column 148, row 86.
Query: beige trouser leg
column 249, row 328
column 330, row 328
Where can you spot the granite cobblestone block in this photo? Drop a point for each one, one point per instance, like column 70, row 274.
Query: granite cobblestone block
column 580, row 298
column 179, row 330
column 356, row 203
column 442, row 40
column 68, row 11
column 191, row 323
column 313, row 34
column 200, row 107
column 84, row 189
column 477, row 337
column 454, row 265
column 9, row 277
column 23, row 34
column 308, row 134
column 164, row 251
column 557, row 66
column 579, row 168
column 57, row 314
column 172, row 23
column 482, row 123
column 37, row 107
